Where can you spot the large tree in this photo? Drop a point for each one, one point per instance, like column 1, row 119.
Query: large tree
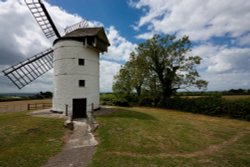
column 131, row 76
column 168, row 58
column 168, row 63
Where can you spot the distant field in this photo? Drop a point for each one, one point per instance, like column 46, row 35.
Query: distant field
column 150, row 137
column 234, row 97
column 17, row 106
column 228, row 97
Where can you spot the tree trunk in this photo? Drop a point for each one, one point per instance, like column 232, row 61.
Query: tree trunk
column 138, row 91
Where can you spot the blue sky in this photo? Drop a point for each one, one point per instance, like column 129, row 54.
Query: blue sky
column 219, row 31
column 116, row 13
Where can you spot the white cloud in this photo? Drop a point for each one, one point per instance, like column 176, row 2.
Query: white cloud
column 62, row 18
column 120, row 48
column 119, row 51
column 19, row 33
column 199, row 19
column 226, row 81
column 107, row 70
column 221, row 59
column 224, row 68
column 146, row 35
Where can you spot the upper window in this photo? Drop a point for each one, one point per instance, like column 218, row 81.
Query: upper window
column 81, row 83
column 81, row 62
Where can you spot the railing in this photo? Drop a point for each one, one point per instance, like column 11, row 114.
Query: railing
column 36, row 106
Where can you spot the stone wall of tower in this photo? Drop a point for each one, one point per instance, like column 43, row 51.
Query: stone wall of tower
column 68, row 72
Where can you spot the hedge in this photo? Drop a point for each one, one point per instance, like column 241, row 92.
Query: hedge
column 213, row 106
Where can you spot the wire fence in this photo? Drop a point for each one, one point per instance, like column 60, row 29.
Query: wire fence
column 37, row 106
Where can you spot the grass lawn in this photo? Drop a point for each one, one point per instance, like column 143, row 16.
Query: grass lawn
column 156, row 137
column 27, row 141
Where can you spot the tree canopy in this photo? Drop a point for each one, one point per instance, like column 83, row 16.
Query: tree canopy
column 159, row 67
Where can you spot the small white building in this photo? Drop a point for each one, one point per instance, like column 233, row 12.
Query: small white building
column 76, row 71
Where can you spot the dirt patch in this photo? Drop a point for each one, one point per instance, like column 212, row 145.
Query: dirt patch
column 78, row 157
column 46, row 113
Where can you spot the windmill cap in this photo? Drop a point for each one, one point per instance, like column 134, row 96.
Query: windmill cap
column 81, row 33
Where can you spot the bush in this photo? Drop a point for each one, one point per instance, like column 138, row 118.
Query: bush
column 248, row 117
column 146, row 101
column 107, row 99
column 211, row 105
column 115, row 99
column 214, row 106
column 121, row 102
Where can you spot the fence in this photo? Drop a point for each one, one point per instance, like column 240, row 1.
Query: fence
column 18, row 106
column 36, row 106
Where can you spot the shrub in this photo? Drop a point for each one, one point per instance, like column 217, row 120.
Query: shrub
column 107, row 99
column 248, row 117
column 214, row 106
column 115, row 99
column 146, row 101
column 121, row 101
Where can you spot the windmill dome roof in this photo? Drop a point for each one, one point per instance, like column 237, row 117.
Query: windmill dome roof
column 82, row 33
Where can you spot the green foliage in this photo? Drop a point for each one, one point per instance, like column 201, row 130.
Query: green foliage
column 167, row 58
column 122, row 82
column 211, row 104
column 43, row 95
column 121, row 101
column 159, row 67
column 2, row 99
column 211, row 93
column 214, row 106
column 115, row 99
column 131, row 76
column 238, row 92
column 248, row 117
column 146, row 101
column 107, row 98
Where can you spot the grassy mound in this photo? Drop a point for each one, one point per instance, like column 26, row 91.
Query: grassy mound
column 158, row 137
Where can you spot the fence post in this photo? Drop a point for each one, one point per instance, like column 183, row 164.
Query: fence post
column 92, row 106
column 28, row 106
column 66, row 109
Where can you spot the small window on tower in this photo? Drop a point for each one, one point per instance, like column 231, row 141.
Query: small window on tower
column 81, row 83
column 81, row 62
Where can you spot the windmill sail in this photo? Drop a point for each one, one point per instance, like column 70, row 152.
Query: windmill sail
column 43, row 18
column 27, row 71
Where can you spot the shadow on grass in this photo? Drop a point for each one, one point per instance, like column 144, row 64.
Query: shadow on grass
column 122, row 113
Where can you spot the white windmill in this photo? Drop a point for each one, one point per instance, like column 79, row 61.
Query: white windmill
column 75, row 58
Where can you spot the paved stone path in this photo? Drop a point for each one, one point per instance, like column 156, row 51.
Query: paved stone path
column 79, row 148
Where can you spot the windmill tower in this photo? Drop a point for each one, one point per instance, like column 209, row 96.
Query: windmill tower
column 75, row 58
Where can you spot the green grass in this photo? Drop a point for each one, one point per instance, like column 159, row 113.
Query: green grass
column 157, row 137
column 27, row 141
